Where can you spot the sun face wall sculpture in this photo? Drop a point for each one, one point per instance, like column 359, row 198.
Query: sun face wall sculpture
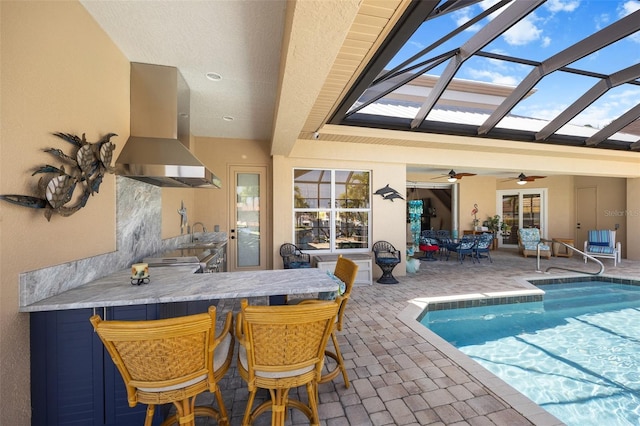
column 67, row 188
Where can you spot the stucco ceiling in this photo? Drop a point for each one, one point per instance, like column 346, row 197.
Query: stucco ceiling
column 199, row 37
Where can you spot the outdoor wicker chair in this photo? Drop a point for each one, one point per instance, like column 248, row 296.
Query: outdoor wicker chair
column 171, row 361
column 293, row 257
column 282, row 347
column 386, row 257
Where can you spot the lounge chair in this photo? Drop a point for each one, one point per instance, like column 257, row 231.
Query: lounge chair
column 602, row 243
column 528, row 242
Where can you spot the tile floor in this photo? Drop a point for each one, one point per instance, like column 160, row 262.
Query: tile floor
column 401, row 373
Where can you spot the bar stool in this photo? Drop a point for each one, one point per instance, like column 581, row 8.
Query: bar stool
column 171, row 361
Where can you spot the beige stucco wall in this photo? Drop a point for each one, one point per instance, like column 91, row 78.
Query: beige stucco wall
column 633, row 219
column 386, row 220
column 612, row 196
column 219, row 154
column 60, row 73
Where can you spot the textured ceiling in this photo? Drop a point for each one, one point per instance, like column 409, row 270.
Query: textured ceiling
column 199, row 37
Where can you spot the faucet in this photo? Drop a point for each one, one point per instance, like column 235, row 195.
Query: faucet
column 193, row 229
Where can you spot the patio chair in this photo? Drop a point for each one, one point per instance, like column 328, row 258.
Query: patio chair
column 528, row 242
column 283, row 347
column 602, row 243
column 171, row 361
column 386, row 257
column 484, row 246
column 466, row 246
column 293, row 257
column 428, row 245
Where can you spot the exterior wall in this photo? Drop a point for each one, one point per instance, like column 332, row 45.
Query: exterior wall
column 633, row 220
column 611, row 207
column 60, row 73
column 387, row 217
column 478, row 190
column 211, row 205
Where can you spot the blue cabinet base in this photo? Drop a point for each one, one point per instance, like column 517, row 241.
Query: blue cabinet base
column 73, row 379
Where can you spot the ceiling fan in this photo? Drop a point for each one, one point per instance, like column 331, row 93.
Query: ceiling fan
column 522, row 179
column 452, row 176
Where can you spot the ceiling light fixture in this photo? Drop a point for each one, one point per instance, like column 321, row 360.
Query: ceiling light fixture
column 228, row 118
column 452, row 179
column 522, row 182
column 213, row 76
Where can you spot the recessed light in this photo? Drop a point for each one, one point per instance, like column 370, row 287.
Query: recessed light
column 228, row 118
column 213, row 76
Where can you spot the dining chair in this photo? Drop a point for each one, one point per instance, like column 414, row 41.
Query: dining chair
column 484, row 244
column 171, row 361
column 282, row 347
column 429, row 244
column 465, row 247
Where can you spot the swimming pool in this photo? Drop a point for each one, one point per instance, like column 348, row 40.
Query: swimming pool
column 576, row 353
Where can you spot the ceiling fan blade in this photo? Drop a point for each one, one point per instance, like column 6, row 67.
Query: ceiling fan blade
column 461, row 175
column 532, row 178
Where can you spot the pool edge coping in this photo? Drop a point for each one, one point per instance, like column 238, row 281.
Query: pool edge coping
column 515, row 399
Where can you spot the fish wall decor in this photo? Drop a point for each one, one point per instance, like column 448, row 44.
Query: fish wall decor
column 388, row 193
column 65, row 190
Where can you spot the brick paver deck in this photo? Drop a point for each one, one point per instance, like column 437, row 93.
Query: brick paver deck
column 402, row 374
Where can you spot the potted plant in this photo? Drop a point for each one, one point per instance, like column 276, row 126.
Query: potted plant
column 496, row 227
column 493, row 223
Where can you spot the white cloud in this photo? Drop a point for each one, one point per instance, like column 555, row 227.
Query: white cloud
column 493, row 77
column 524, row 32
column 555, row 6
column 546, row 41
column 628, row 7
column 417, row 44
column 602, row 20
column 463, row 16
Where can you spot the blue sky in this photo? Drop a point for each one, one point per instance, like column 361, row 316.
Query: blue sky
column 551, row 28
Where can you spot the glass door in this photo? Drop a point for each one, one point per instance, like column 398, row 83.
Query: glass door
column 521, row 209
column 247, row 240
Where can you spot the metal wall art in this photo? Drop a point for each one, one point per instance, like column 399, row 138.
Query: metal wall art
column 83, row 174
column 388, row 193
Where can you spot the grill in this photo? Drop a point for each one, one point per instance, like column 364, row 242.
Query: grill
column 206, row 259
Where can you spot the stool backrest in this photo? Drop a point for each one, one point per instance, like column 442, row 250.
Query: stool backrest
column 161, row 355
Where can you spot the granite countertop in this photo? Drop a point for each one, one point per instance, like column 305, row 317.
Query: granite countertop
column 180, row 284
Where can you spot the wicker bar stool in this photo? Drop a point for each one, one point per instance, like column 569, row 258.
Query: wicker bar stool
column 282, row 347
column 171, row 361
column 346, row 270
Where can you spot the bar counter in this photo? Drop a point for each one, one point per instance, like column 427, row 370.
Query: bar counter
column 181, row 284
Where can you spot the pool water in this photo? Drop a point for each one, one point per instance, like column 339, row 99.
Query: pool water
column 576, row 354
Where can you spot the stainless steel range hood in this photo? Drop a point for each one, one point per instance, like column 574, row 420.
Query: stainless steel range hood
column 156, row 152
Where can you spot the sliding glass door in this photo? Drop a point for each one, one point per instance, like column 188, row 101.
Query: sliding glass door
column 521, row 209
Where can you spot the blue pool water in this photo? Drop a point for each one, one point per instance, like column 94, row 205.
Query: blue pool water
column 577, row 354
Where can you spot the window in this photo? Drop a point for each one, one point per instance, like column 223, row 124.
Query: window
column 331, row 209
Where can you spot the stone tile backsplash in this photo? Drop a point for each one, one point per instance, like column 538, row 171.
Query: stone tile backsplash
column 138, row 235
